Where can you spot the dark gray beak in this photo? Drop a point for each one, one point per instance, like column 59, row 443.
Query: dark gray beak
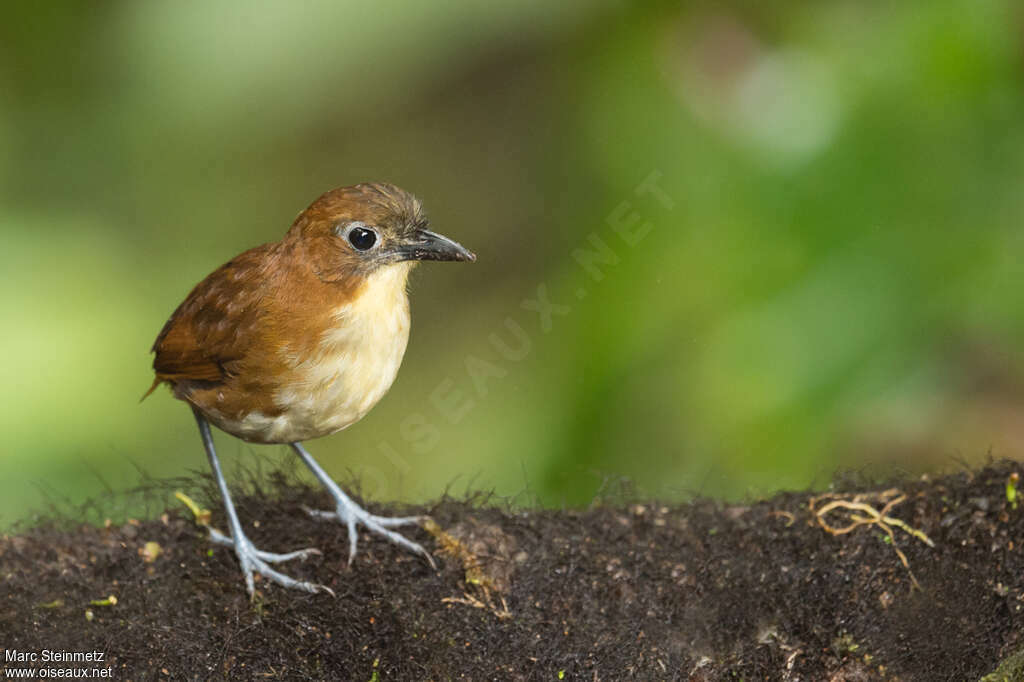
column 427, row 245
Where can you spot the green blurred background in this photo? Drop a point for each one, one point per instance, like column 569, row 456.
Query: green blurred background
column 820, row 269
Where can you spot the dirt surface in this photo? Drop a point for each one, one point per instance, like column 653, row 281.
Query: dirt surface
column 700, row 591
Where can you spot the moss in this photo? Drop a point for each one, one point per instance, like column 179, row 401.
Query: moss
column 1011, row 669
column 638, row 591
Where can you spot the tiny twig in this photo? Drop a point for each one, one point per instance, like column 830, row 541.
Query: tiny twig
column 789, row 516
column 202, row 516
column 470, row 600
column 880, row 518
column 474, row 574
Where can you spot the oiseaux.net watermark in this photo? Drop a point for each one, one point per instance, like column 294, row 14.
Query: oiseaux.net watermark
column 626, row 225
column 55, row 664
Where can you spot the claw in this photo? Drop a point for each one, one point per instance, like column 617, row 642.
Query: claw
column 351, row 514
column 256, row 561
column 253, row 561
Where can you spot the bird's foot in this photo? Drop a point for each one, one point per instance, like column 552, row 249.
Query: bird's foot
column 255, row 561
column 351, row 514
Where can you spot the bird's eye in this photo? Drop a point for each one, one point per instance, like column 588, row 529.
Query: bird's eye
column 362, row 238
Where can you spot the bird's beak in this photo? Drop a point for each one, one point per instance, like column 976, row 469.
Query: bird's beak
column 427, row 245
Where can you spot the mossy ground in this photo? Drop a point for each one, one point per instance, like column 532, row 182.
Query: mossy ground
column 700, row 591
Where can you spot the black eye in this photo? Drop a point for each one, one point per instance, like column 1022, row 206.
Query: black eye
column 362, row 238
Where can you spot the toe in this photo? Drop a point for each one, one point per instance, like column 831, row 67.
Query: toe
column 353, row 538
column 393, row 521
column 301, row 554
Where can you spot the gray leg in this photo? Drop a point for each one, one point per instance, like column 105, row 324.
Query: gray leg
column 350, row 513
column 251, row 559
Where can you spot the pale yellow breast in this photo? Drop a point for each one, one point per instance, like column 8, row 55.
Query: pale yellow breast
column 356, row 361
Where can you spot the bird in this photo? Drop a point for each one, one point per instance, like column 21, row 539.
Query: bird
column 298, row 339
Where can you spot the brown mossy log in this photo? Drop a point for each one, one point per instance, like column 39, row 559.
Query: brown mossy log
column 699, row 591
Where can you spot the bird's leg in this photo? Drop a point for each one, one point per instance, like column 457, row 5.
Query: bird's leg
column 351, row 514
column 252, row 560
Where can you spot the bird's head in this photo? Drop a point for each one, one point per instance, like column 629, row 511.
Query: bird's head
column 353, row 232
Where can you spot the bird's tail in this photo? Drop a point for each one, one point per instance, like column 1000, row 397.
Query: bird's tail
column 156, row 382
